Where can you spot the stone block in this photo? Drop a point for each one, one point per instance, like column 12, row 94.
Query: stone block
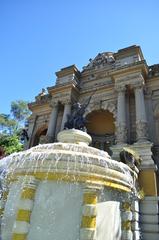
column 150, row 199
column 144, row 218
column 126, row 216
column 136, row 235
column 135, row 206
column 135, row 216
column 150, row 236
column 135, row 226
column 127, row 235
column 87, row 234
column 150, row 228
column 149, row 208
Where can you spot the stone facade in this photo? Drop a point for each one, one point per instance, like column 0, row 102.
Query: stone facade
column 123, row 111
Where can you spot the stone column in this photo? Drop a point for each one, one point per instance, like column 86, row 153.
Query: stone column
column 141, row 121
column 52, row 123
column 121, row 131
column 25, row 206
column 67, row 111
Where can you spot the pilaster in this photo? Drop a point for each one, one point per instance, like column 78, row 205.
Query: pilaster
column 126, row 217
column 25, row 206
column 89, row 213
column 136, row 220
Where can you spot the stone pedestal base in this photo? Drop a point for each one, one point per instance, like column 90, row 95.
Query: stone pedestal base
column 74, row 136
column 145, row 218
column 116, row 149
column 144, row 150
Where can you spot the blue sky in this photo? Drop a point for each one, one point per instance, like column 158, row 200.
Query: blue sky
column 39, row 37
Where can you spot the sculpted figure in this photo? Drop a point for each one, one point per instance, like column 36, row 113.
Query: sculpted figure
column 76, row 119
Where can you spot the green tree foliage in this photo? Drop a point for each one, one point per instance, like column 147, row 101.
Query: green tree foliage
column 7, row 124
column 19, row 110
column 10, row 144
column 11, row 126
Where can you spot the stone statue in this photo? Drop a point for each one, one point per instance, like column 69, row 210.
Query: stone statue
column 41, row 94
column 76, row 119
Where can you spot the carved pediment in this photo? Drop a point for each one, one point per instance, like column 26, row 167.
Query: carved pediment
column 105, row 58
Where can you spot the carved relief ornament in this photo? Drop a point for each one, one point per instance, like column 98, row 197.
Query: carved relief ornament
column 66, row 101
column 138, row 84
column 54, row 103
column 104, row 105
column 120, row 88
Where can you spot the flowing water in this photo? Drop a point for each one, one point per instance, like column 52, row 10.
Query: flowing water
column 57, row 207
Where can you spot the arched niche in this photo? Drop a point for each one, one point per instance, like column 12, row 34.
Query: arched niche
column 100, row 122
column 40, row 134
column 101, row 126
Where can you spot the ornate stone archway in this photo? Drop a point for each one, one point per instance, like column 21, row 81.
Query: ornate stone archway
column 102, row 105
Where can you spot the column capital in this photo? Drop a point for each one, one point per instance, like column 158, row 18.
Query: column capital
column 54, row 103
column 66, row 101
column 120, row 88
column 138, row 84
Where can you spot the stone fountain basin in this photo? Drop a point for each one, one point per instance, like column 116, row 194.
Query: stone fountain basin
column 64, row 176
column 70, row 162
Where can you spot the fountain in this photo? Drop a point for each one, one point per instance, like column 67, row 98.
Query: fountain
column 66, row 191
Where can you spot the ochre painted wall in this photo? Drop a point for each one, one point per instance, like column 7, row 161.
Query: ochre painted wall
column 100, row 122
column 147, row 181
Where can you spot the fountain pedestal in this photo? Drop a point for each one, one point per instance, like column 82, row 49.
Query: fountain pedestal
column 67, row 190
